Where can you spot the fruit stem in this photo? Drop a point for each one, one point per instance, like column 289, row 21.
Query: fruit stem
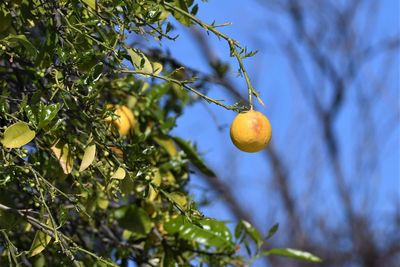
column 243, row 71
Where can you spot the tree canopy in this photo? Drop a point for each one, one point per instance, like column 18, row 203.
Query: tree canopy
column 73, row 188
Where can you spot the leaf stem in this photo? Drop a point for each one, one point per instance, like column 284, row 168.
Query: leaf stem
column 183, row 84
column 233, row 45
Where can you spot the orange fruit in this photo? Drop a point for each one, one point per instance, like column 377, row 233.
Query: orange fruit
column 125, row 121
column 251, row 131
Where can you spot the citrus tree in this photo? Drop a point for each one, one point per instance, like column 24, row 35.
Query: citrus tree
column 89, row 172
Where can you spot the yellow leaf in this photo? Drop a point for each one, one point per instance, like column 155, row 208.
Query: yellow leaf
column 140, row 61
column 88, row 157
column 168, row 144
column 170, row 178
column 156, row 179
column 40, row 241
column 126, row 234
column 120, row 174
column 157, row 67
column 102, row 203
column 179, row 199
column 61, row 151
column 17, row 135
column 91, row 3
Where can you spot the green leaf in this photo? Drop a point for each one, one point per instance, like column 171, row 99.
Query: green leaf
column 4, row 103
column 193, row 156
column 195, row 9
column 140, row 61
column 5, row 20
column 185, row 20
column 46, row 114
column 292, row 253
column 208, row 232
column 250, row 231
column 15, row 39
column 30, row 113
column 88, row 157
column 219, row 228
column 42, row 114
column 17, row 135
column 272, row 231
column 134, row 219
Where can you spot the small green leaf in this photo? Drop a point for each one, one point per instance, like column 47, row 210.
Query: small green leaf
column 272, row 231
column 140, row 61
column 250, row 231
column 46, row 114
column 30, row 114
column 17, row 135
column 292, row 253
column 88, row 157
column 181, row 4
column 41, row 115
column 193, row 156
column 195, row 9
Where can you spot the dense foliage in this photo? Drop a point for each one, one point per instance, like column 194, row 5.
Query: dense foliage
column 72, row 189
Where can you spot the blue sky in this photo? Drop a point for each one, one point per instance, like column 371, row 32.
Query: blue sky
column 247, row 174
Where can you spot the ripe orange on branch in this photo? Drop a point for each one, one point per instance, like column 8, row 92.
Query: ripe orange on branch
column 125, row 121
column 251, row 131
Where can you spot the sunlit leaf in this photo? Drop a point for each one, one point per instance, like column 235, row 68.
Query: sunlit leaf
column 292, row 253
column 168, row 144
column 46, row 114
column 90, row 3
column 140, row 61
column 156, row 180
column 88, row 157
column 157, row 67
column 208, row 232
column 120, row 174
column 250, row 231
column 102, row 203
column 40, row 241
column 17, row 135
column 62, row 153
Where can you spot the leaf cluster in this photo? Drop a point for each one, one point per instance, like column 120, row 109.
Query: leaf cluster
column 72, row 189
